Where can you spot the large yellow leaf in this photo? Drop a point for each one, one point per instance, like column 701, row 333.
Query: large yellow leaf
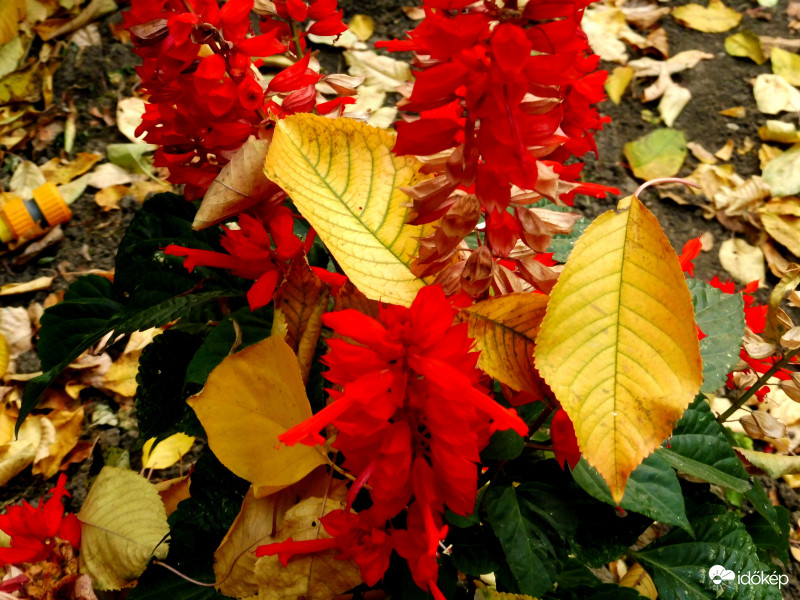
column 505, row 328
column 251, row 398
column 123, row 524
column 343, row 178
column 618, row 345
column 11, row 13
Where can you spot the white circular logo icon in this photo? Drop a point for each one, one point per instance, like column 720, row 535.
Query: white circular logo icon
column 718, row 574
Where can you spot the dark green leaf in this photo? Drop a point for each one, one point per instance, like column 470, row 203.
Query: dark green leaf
column 720, row 317
column 475, row 550
column 254, row 327
column 503, row 445
column 680, row 565
column 529, row 554
column 769, row 542
column 653, row 490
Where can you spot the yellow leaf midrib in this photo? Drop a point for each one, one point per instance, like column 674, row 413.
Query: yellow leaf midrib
column 341, row 199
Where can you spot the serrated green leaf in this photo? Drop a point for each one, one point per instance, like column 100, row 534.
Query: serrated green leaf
column 720, row 317
column 475, row 550
column 503, row 445
column 699, row 447
column 680, row 564
column 653, row 490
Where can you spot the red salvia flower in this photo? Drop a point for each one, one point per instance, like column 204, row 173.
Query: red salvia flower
column 411, row 418
column 33, row 530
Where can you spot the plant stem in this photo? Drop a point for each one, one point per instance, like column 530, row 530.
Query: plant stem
column 785, row 360
column 296, row 38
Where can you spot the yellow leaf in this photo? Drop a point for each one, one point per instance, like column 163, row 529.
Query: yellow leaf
column 17, row 454
column 300, row 302
column 60, row 173
column 121, row 376
column 786, row 64
column 68, row 427
column 344, row 179
column 251, row 398
column 34, row 285
column 5, row 355
column 715, row 18
column 257, row 522
column 123, row 523
column 319, row 576
column 167, row 452
column 618, row 345
column 618, row 82
column 363, row 26
column 505, row 328
column 239, row 185
column 108, row 198
column 486, row 593
column 173, row 492
column 746, row 44
column 638, row 579
column 781, row 220
column 11, row 13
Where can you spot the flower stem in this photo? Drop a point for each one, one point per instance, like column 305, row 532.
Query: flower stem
column 296, row 38
column 784, row 361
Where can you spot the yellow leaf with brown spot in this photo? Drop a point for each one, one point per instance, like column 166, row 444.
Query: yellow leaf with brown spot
column 505, row 328
column 300, row 302
column 55, row 171
column 618, row 345
column 343, row 178
column 251, row 398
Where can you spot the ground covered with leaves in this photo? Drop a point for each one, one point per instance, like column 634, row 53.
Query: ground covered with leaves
column 703, row 93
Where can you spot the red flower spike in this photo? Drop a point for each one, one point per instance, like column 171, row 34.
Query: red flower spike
column 33, row 529
column 565, row 444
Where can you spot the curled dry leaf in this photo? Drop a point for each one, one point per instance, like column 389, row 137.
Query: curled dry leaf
column 756, row 347
column 239, row 185
column 774, row 94
column 759, row 425
column 791, row 339
column 791, row 389
column 744, row 262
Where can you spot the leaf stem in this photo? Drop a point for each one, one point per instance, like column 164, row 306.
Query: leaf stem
column 784, row 361
column 296, row 39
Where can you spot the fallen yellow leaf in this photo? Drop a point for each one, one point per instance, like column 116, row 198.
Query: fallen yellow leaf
column 622, row 305
column 251, row 398
column 781, row 220
column 715, row 18
column 121, row 376
column 173, row 492
column 638, row 579
column 344, row 179
column 108, row 198
column 618, row 82
column 505, row 328
column 167, row 452
column 59, row 173
column 35, row 285
column 123, row 524
column 11, row 13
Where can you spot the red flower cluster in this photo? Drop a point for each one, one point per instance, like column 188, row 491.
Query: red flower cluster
column 250, row 251
column 33, row 531
column 411, row 420
column 506, row 95
column 322, row 15
column 205, row 95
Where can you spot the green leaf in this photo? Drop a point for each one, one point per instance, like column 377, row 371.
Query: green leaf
column 680, row 565
column 720, row 317
column 529, row 554
column 770, row 543
column 465, row 521
column 653, row 490
column 503, row 445
column 254, row 327
column 699, row 447
column 476, row 550
column 660, row 153
column 160, row 397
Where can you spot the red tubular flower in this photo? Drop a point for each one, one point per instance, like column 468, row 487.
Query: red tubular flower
column 691, row 250
column 250, row 253
column 411, row 418
column 33, row 530
column 565, row 444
